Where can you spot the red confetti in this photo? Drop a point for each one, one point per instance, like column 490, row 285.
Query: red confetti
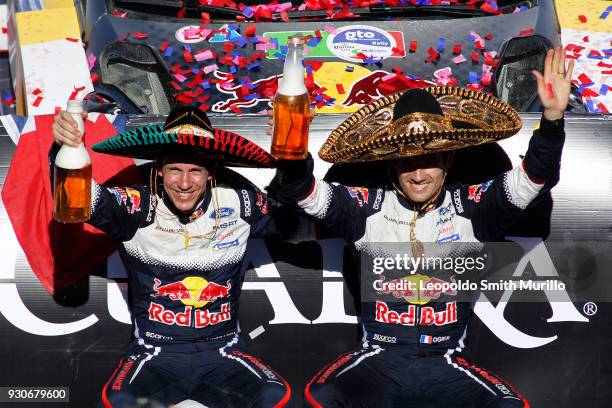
column 187, row 56
column 413, row 46
column 181, row 13
column 584, row 79
column 37, row 101
column 318, row 34
column 604, row 65
column 72, row 39
column 340, row 89
column 475, row 57
column 57, row 110
column 582, row 19
column 37, row 91
column 117, row 13
column 184, row 99
column 457, row 49
column 488, row 37
column 250, row 30
column 141, row 36
column 589, row 93
column 94, row 78
column 76, row 91
column 284, row 16
column 164, row 46
column 204, row 107
column 314, row 64
column 525, row 33
column 602, row 107
column 433, row 55
column 205, row 18
column 550, row 92
column 585, row 38
column 4, row 30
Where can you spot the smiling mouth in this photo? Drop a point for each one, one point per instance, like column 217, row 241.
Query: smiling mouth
column 419, row 187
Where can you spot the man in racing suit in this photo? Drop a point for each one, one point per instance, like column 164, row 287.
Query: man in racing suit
column 183, row 241
column 411, row 353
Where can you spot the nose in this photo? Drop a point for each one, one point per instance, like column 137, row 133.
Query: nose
column 418, row 175
column 183, row 182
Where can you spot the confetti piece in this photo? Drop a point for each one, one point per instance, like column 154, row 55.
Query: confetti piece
column 141, row 36
column 475, row 57
column 413, row 46
column 203, row 55
column 187, row 56
column 441, row 44
column 340, row 89
column 250, row 30
column 525, row 33
column 349, row 68
column 488, row 37
column 36, row 91
column 443, row 73
column 168, row 52
column 4, row 30
column 330, row 29
column 181, row 13
column 486, row 79
column 119, row 14
column 459, row 59
column 602, row 107
column 457, row 49
column 603, row 91
column 205, row 17
column 91, row 61
column 95, row 78
column 473, row 77
column 582, row 19
column 180, row 77
column 210, row 68
column 433, row 55
column 585, row 80
column 72, row 39
column 164, row 46
column 37, row 101
column 549, row 91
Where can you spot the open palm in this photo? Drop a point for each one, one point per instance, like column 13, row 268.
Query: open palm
column 554, row 86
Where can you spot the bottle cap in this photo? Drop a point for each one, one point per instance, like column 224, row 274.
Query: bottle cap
column 75, row 106
column 296, row 40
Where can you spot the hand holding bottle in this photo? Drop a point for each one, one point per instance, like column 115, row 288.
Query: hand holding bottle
column 65, row 129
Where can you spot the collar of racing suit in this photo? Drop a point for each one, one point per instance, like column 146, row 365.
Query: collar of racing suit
column 429, row 206
column 185, row 218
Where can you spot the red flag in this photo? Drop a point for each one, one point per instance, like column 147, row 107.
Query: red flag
column 59, row 254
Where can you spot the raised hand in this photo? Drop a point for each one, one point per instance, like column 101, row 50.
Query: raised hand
column 554, row 86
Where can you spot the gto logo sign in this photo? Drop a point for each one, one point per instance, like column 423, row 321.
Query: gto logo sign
column 535, row 256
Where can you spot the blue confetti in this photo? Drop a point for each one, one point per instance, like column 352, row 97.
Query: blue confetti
column 232, row 69
column 205, row 85
column 590, row 105
column 168, row 52
column 604, row 90
column 441, row 44
column 187, row 47
column 318, row 98
column 248, row 12
column 195, row 71
column 473, row 77
column 349, row 69
column 308, row 69
column 279, row 56
column 253, row 66
column 313, row 42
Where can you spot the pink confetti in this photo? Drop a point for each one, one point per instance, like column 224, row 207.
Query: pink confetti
column 180, row 77
column 91, row 61
column 210, row 68
column 203, row 55
column 443, row 73
column 459, row 59
column 330, row 29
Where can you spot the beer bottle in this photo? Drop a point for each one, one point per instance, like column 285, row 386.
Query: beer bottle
column 72, row 176
column 291, row 107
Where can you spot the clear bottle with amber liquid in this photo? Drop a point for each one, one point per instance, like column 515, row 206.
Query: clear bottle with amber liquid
column 72, row 176
column 291, row 106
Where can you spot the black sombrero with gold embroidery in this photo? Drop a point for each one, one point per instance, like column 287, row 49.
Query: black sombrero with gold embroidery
column 419, row 122
column 187, row 129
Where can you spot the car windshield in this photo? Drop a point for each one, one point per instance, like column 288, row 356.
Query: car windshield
column 261, row 10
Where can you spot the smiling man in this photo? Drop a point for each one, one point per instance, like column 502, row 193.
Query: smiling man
column 183, row 240
column 412, row 351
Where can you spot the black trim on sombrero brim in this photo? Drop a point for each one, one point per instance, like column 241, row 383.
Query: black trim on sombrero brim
column 150, row 142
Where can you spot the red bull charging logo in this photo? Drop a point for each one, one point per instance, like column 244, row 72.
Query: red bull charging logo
column 417, row 289
column 192, row 291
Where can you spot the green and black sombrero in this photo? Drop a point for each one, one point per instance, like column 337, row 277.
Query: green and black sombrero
column 187, row 129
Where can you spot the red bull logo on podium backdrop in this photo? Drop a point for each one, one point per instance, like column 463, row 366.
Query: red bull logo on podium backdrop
column 192, row 291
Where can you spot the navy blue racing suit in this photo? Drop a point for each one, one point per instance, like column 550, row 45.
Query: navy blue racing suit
column 185, row 274
column 412, row 351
